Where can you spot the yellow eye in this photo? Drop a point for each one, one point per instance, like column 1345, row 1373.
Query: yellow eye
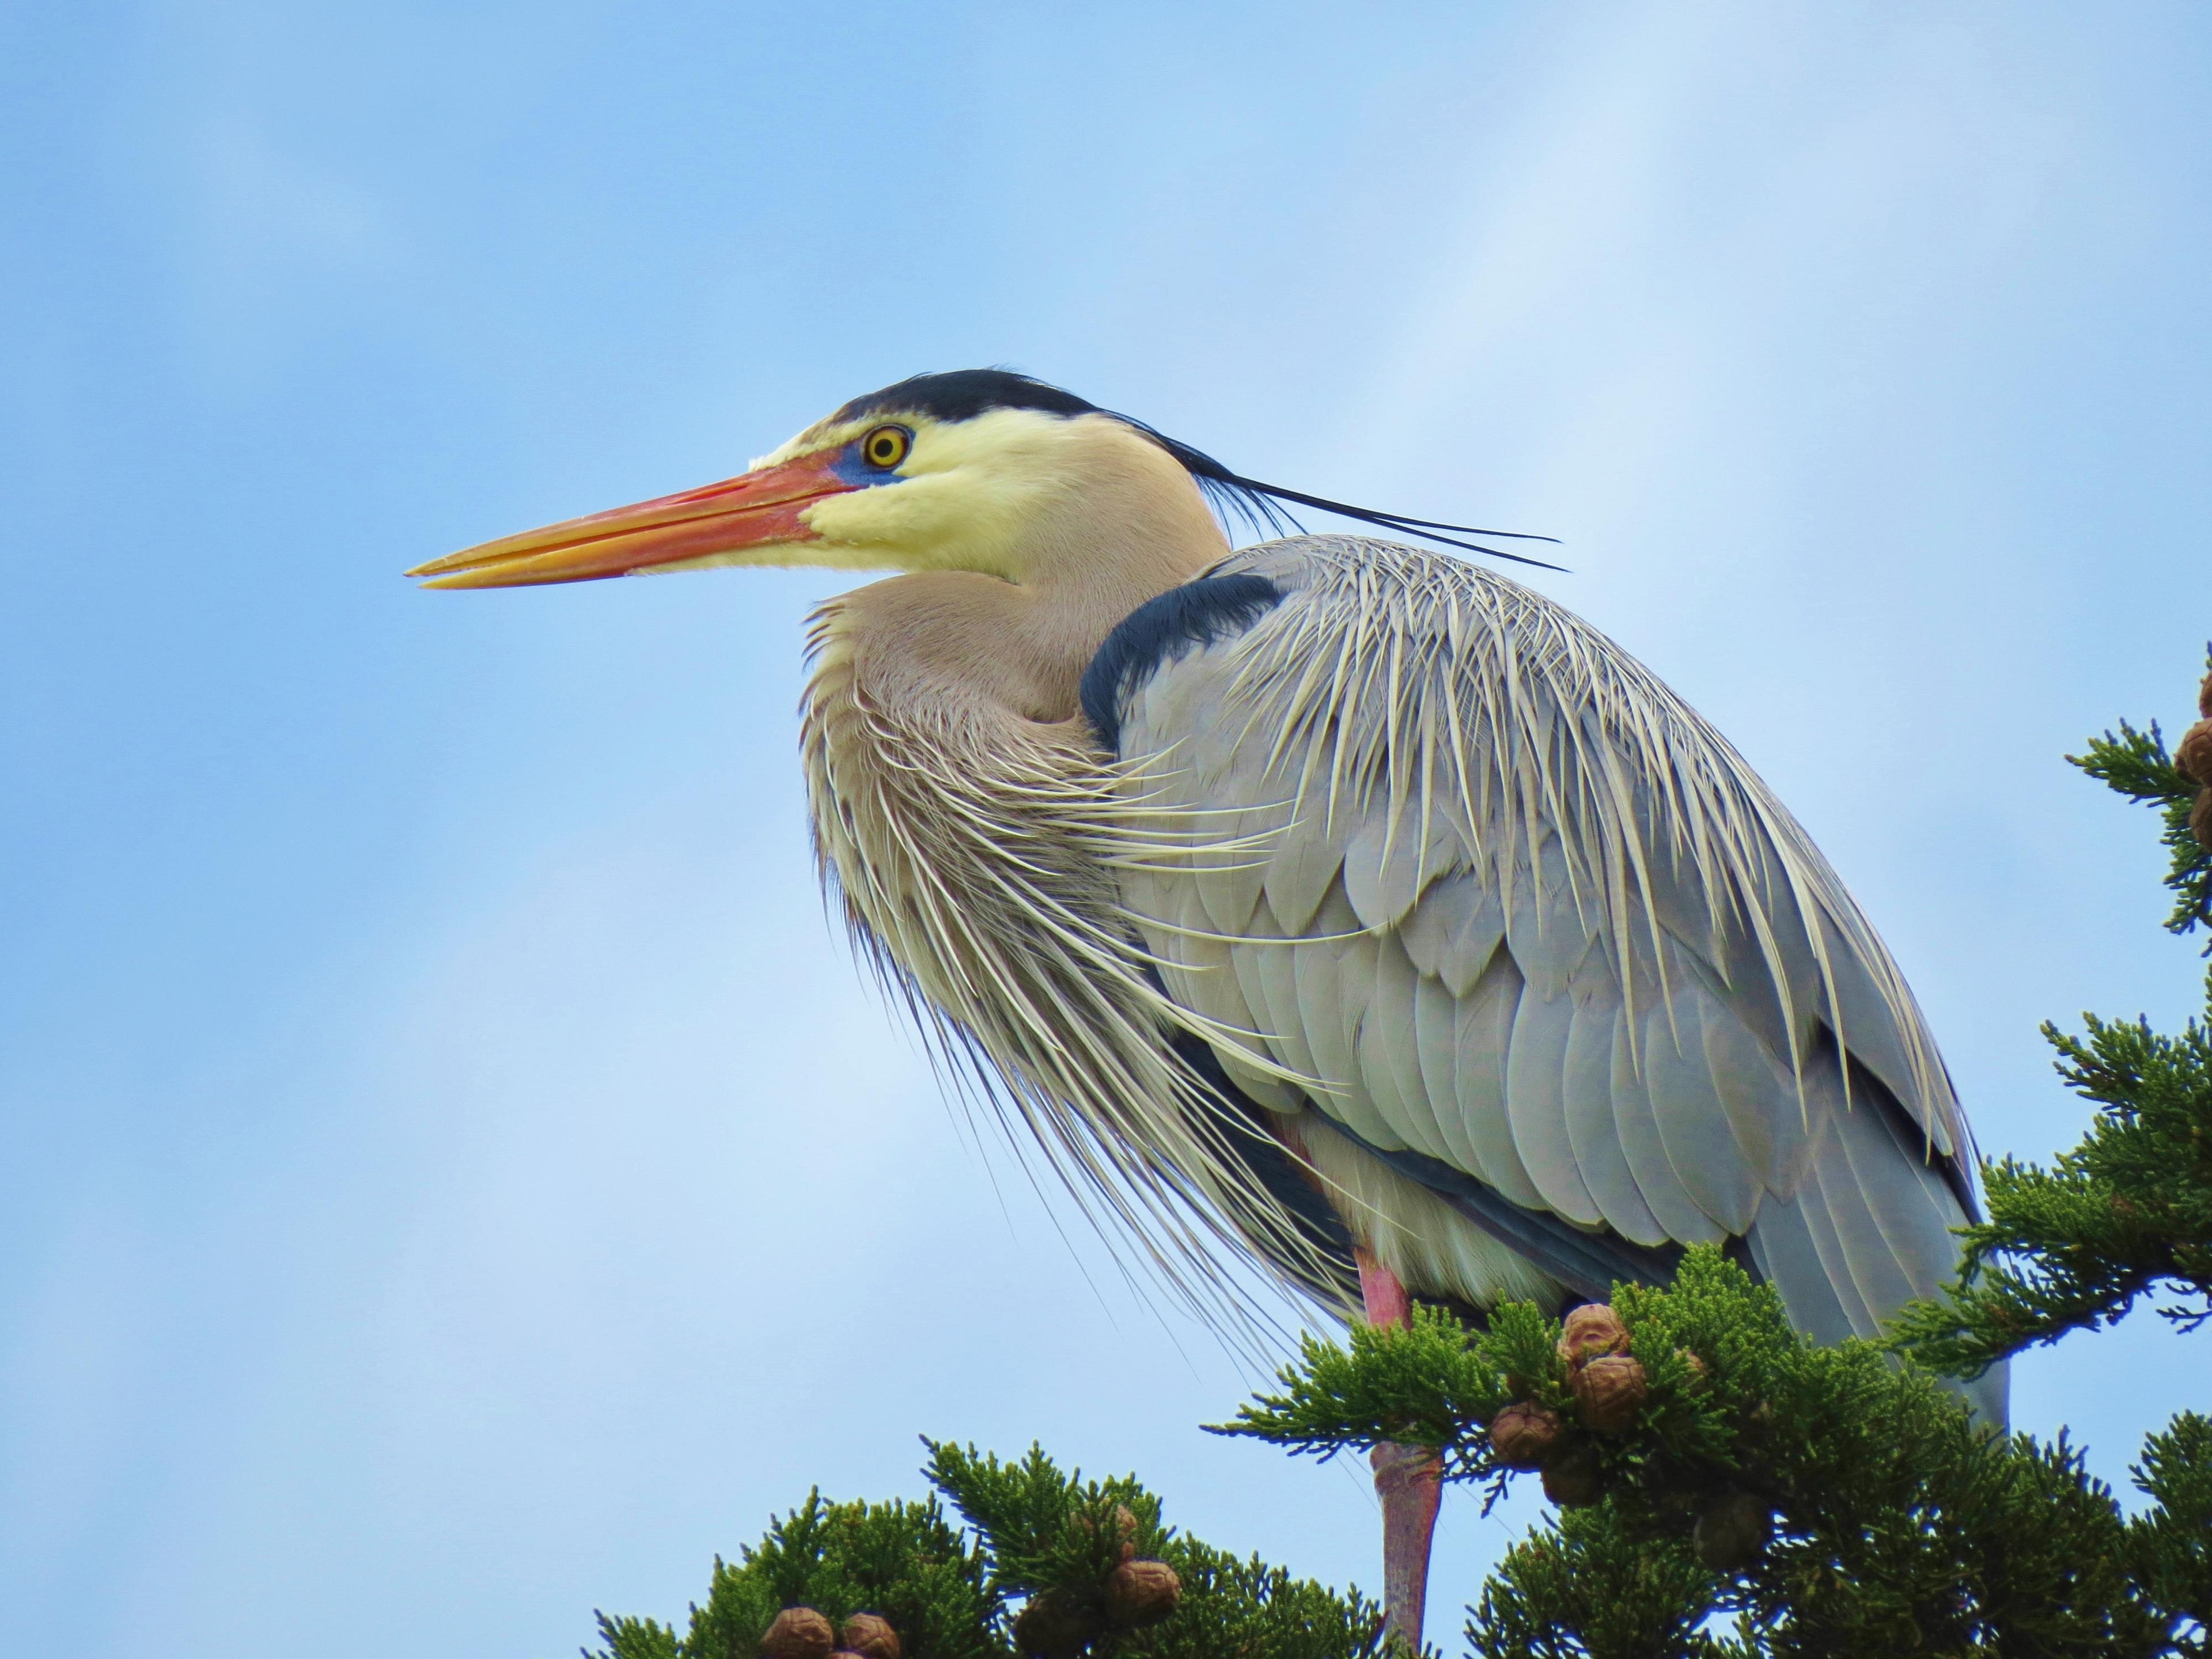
column 886, row 447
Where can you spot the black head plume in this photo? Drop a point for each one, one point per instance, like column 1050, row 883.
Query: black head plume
column 968, row 393
column 1260, row 506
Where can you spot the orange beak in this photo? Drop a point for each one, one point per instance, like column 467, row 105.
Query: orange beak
column 757, row 509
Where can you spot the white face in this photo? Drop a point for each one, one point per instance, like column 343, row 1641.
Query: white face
column 991, row 495
column 1018, row 493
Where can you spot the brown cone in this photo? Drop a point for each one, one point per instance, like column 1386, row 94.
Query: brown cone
column 1732, row 1531
column 1139, row 1593
column 1610, row 1389
column 1591, row 1331
column 798, row 1633
column 1052, row 1626
column 871, row 1636
column 2192, row 756
column 1123, row 1526
column 1523, row 1434
column 1572, row 1479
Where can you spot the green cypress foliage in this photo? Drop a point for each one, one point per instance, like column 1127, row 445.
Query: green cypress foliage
column 2127, row 1213
column 1816, row 1500
column 1035, row 1536
column 904, row 1561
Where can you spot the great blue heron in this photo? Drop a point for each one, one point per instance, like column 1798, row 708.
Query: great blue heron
column 1334, row 896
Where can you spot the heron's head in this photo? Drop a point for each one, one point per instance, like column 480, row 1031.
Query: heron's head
column 980, row 471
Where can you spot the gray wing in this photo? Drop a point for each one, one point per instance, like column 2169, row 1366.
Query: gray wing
column 1454, row 881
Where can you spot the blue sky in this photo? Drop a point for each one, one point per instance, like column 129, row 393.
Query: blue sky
column 454, row 1178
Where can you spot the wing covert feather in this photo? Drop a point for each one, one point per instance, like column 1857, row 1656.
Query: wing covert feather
column 1389, row 1053
column 1302, row 867
column 1230, row 880
column 1455, row 930
column 1591, row 1131
column 1336, row 979
column 1685, row 1105
column 1662, row 1191
column 1535, row 1105
column 1483, row 1032
column 1275, row 968
column 1782, row 1249
column 1390, row 860
column 1436, row 1017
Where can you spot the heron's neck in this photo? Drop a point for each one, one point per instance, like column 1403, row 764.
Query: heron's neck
column 942, row 714
column 955, row 644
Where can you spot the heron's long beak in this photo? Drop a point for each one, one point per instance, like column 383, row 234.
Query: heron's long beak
column 757, row 509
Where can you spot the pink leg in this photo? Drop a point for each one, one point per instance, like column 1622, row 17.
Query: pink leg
column 1407, row 1478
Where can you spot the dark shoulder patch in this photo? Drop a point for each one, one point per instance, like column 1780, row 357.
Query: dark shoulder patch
column 965, row 394
column 1162, row 629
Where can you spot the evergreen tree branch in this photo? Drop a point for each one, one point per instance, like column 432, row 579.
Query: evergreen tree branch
column 2125, row 1214
column 1039, row 1536
column 1825, row 1498
column 2136, row 764
column 2171, row 1542
column 1586, row 1586
column 2128, row 1213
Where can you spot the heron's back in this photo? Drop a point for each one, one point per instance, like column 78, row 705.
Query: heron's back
column 1515, row 932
